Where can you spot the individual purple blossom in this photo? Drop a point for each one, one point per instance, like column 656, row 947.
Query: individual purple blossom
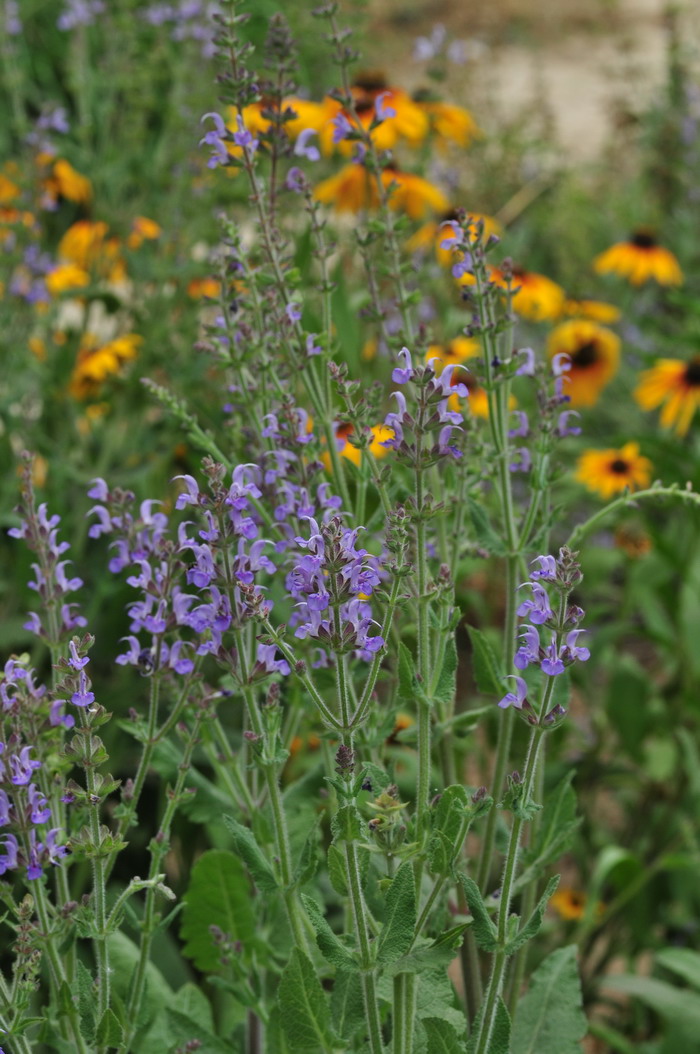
column 552, row 663
column 215, row 138
column 403, row 374
column 22, row 766
column 83, row 696
column 529, row 650
column 571, row 649
column 516, row 698
column 38, row 806
column 296, row 180
column 6, row 807
column 75, row 661
column 465, row 265
column 383, row 112
column 266, row 662
column 547, row 569
column 302, row 147
column 243, row 137
column 312, row 348
column 536, row 608
column 8, row 860
column 563, row 428
column 293, row 312
column 522, row 428
column 527, row 369
column 522, row 460
column 341, row 127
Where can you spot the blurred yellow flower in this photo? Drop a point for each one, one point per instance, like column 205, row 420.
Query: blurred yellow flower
column 608, row 472
column 142, row 229
column 569, row 904
column 354, row 189
column 209, row 287
column 412, row 194
column 8, row 190
column 595, row 357
column 96, row 362
column 675, row 384
column 66, row 276
column 37, row 346
column 66, row 182
column 85, row 244
column 380, row 433
column 596, row 310
column 448, row 123
column 640, row 259
column 407, row 121
column 538, row 297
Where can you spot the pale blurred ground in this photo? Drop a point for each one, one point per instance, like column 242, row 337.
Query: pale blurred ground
column 584, row 64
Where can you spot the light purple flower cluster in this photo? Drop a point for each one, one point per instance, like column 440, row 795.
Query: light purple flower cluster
column 23, row 806
column 432, row 418
column 52, row 581
column 561, row 648
column 80, row 13
column 188, row 20
column 331, row 585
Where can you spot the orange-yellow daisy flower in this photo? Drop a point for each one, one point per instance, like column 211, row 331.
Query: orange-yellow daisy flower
column 538, row 297
column 66, row 276
column 96, row 362
column 596, row 310
column 66, row 182
column 448, row 123
column 595, row 356
column 380, row 433
column 142, row 229
column 354, row 189
column 608, row 472
column 570, row 904
column 8, row 190
column 639, row 259
column 208, row 287
column 675, row 384
column 85, row 244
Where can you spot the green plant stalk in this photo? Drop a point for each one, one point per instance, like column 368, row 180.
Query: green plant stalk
column 56, row 966
column 330, row 718
column 159, row 848
column 279, row 824
column 627, row 499
column 19, row 1043
column 98, row 883
column 142, row 771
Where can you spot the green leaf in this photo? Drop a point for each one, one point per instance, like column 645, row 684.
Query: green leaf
column 556, row 826
column 331, row 947
column 549, row 1018
column 681, row 961
column 218, row 895
column 109, row 1031
column 427, row 955
column 191, row 1001
column 400, row 921
column 485, row 932
column 499, row 1041
column 442, row 1037
column 485, row 664
column 247, row 848
column 347, row 1005
column 274, row 1033
column 86, row 1003
column 309, row 859
column 304, row 1013
column 483, row 528
column 337, row 870
column 447, row 819
column 533, row 924
column 447, row 679
column 346, row 825
column 407, row 675
column 677, row 1005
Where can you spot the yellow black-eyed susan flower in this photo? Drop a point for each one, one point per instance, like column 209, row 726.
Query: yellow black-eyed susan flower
column 538, row 297
column 142, row 230
column 66, row 182
column 8, row 190
column 675, row 384
column 608, row 472
column 67, row 276
column 595, row 356
column 448, row 123
column 640, row 259
column 569, row 904
column 86, row 244
column 353, row 189
column 380, row 433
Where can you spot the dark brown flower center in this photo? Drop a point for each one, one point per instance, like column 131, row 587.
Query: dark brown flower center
column 585, row 356
column 344, row 430
column 619, row 466
column 692, row 373
column 371, row 81
column 643, row 240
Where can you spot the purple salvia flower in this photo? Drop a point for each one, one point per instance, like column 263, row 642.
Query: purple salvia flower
column 571, row 649
column 529, row 650
column 83, row 696
column 8, row 860
column 341, row 127
column 22, row 766
column 403, row 374
column 522, row 428
column 382, row 110
column 528, row 367
column 75, row 661
column 563, row 427
column 293, row 312
column 302, row 147
column 516, row 698
column 547, row 569
column 537, row 607
column 38, row 805
column 552, row 664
